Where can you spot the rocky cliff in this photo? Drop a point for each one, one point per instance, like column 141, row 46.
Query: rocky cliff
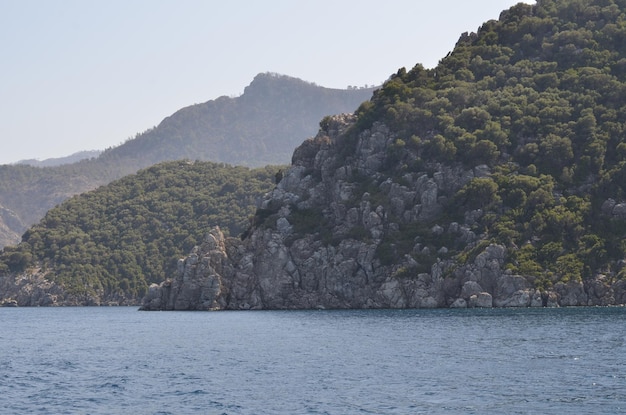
column 343, row 229
column 34, row 288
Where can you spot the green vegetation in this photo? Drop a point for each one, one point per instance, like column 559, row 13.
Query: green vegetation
column 539, row 97
column 118, row 239
column 263, row 126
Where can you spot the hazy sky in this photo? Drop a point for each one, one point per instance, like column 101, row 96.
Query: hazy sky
column 88, row 74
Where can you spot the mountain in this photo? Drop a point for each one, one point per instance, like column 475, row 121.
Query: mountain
column 496, row 179
column 108, row 245
column 262, row 126
column 52, row 162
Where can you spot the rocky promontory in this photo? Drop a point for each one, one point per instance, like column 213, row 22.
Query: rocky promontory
column 333, row 234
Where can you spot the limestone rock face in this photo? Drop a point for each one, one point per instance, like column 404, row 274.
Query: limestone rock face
column 28, row 290
column 481, row 300
column 32, row 288
column 329, row 235
column 513, row 291
column 198, row 283
column 611, row 208
column 571, row 294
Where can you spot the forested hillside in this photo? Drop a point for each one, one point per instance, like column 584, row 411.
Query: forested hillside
column 496, row 178
column 110, row 243
column 260, row 127
column 540, row 97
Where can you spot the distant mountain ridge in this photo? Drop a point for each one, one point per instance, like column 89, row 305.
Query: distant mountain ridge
column 58, row 161
column 262, row 126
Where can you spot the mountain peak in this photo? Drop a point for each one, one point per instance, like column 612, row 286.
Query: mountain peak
column 269, row 83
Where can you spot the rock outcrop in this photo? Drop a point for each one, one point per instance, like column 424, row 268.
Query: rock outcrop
column 332, row 234
column 32, row 288
column 10, row 226
column 199, row 284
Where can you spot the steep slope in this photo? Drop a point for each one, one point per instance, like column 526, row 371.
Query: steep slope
column 260, row 127
column 29, row 192
column 263, row 126
column 496, row 179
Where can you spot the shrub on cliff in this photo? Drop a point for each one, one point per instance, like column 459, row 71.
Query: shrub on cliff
column 538, row 96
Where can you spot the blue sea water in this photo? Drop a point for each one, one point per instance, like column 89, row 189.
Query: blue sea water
column 497, row 361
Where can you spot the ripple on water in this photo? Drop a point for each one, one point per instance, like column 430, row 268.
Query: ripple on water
column 100, row 361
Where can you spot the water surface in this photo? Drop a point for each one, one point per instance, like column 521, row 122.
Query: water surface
column 496, row 361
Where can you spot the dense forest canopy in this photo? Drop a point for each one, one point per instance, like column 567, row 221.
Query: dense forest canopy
column 118, row 239
column 539, row 96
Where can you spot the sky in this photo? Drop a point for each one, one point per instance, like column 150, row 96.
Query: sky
column 89, row 74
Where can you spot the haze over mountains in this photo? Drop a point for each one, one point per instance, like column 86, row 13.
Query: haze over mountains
column 58, row 161
column 262, row 126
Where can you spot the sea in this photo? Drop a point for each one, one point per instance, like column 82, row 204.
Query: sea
column 118, row 360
